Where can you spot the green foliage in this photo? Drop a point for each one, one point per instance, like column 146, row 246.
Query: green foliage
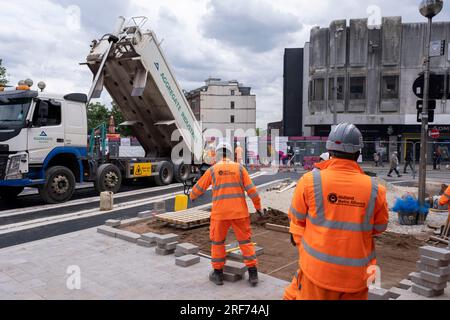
column 98, row 114
column 118, row 119
column 3, row 80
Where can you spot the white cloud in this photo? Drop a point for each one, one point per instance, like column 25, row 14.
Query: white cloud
column 241, row 40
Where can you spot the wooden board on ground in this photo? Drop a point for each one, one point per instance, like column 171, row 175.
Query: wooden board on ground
column 276, row 227
column 186, row 219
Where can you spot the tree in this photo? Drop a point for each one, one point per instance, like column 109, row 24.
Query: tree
column 3, row 80
column 97, row 114
column 118, row 119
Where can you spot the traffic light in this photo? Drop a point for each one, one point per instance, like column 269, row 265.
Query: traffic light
column 430, row 116
column 431, row 108
column 437, row 87
column 431, row 105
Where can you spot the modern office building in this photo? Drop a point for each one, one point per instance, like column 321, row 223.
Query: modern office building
column 224, row 105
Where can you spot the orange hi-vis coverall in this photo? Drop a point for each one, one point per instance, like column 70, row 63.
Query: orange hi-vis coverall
column 336, row 211
column 239, row 154
column 230, row 181
column 445, row 199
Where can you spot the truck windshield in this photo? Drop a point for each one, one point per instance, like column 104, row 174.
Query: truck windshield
column 13, row 113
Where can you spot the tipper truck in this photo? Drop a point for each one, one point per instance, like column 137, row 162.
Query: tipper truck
column 44, row 137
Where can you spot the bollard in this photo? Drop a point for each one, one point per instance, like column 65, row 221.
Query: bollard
column 106, row 201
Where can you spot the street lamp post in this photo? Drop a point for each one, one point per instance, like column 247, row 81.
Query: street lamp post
column 429, row 9
column 335, row 85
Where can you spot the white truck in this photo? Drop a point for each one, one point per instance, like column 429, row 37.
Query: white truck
column 44, row 137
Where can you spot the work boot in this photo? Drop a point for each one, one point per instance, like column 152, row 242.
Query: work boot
column 253, row 276
column 216, row 277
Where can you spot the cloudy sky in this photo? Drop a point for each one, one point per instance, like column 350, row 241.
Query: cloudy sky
column 229, row 39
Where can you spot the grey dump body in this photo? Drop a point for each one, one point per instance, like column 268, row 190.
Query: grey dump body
column 139, row 79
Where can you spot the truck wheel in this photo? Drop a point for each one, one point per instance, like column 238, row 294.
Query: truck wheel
column 108, row 178
column 182, row 172
column 10, row 193
column 59, row 185
column 165, row 174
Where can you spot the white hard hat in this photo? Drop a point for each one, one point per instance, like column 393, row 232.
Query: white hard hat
column 238, row 144
column 346, row 138
column 224, row 145
column 325, row 156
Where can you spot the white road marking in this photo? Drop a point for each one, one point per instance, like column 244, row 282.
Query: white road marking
column 14, row 212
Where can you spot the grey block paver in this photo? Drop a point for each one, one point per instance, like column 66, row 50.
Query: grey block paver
column 150, row 237
column 166, row 238
column 112, row 223
column 146, row 244
column 128, row 236
column 431, row 277
column 405, row 284
column 187, row 248
column 235, row 268
column 116, row 269
column 442, row 271
column 418, row 279
column 426, row 292
column 436, row 253
column 108, row 231
column 164, row 252
column 231, row 277
column 434, row 262
column 187, row 261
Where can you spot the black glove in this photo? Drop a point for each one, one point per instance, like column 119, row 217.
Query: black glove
column 293, row 241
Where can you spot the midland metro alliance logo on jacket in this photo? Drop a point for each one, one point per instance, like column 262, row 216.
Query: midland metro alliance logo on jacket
column 225, row 173
column 341, row 200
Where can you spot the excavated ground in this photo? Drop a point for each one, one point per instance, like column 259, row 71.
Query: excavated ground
column 397, row 253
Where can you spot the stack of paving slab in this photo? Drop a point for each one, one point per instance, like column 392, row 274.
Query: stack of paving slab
column 234, row 271
column 434, row 272
column 186, row 254
column 166, row 244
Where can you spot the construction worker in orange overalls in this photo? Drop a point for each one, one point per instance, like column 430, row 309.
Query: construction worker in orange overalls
column 296, row 232
column 335, row 213
column 443, row 201
column 239, row 152
column 229, row 181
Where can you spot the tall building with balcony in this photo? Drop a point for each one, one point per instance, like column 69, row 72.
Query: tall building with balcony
column 224, row 105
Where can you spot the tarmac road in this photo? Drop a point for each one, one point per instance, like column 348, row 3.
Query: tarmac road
column 15, row 234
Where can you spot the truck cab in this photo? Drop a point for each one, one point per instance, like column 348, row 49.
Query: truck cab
column 43, row 140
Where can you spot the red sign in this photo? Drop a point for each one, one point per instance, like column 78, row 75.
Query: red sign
column 435, row 133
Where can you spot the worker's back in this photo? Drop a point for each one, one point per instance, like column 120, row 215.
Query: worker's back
column 341, row 202
column 228, row 191
column 230, row 182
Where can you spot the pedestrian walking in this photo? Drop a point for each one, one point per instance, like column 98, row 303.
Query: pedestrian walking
column 408, row 162
column 376, row 159
column 394, row 163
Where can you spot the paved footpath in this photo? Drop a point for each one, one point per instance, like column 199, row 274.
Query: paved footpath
column 113, row 269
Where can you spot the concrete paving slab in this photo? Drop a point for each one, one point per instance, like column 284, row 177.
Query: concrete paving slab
column 116, row 269
column 436, row 253
column 187, row 261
